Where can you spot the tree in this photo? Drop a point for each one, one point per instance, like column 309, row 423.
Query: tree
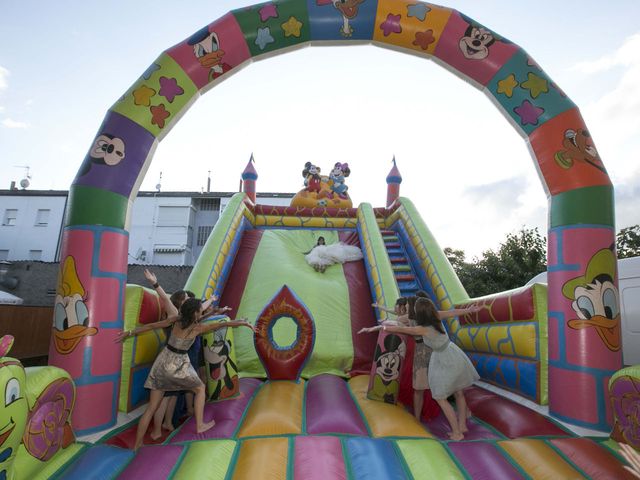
column 628, row 242
column 521, row 257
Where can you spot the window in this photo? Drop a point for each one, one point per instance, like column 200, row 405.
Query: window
column 210, row 204
column 42, row 217
column 35, row 254
column 173, row 216
column 10, row 216
column 203, row 234
column 4, row 255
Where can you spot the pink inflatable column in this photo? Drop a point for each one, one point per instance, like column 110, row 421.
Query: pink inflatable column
column 249, row 177
column 394, row 179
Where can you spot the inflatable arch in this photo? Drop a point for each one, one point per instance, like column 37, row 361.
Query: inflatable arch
column 584, row 334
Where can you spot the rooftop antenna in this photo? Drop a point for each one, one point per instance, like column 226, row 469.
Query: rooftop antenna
column 208, row 181
column 159, row 184
column 24, row 183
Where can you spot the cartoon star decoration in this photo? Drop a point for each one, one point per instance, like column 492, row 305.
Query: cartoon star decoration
column 264, row 38
column 391, row 25
column 268, row 11
column 528, row 113
column 158, row 115
column 292, row 27
column 170, row 89
column 506, row 85
column 142, row 95
column 424, row 39
column 535, row 84
column 418, row 10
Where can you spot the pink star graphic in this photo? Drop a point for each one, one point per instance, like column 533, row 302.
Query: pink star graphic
column 158, row 115
column 424, row 39
column 170, row 89
column 268, row 11
column 528, row 113
column 391, row 25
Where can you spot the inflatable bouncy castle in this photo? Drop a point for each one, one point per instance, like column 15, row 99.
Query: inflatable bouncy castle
column 296, row 399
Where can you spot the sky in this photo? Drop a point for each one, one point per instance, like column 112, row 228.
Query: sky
column 469, row 173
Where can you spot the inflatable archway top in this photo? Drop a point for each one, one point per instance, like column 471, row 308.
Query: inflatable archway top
column 95, row 239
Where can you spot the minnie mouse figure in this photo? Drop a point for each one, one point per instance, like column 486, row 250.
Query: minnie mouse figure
column 338, row 174
column 311, row 174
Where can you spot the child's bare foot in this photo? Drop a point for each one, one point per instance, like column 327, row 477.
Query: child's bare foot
column 169, row 427
column 456, row 435
column 155, row 435
column 137, row 446
column 464, row 428
column 206, row 426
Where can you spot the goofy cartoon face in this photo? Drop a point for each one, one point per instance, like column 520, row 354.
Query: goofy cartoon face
column 595, row 299
column 71, row 316
column 14, row 410
column 216, row 354
column 206, row 48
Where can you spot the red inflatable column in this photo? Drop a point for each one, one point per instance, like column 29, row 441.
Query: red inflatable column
column 394, row 179
column 249, row 177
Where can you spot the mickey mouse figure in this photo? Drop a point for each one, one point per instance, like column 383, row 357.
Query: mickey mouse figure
column 338, row 174
column 388, row 363
column 312, row 180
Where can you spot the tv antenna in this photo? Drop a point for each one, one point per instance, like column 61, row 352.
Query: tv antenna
column 24, row 183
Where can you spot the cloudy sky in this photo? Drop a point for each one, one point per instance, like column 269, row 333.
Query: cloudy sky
column 63, row 64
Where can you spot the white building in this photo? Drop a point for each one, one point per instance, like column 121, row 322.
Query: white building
column 167, row 228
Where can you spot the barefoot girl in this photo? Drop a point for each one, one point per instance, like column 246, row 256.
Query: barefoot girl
column 172, row 369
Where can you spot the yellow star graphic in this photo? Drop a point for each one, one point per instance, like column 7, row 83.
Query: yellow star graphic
column 142, row 95
column 507, row 85
column 292, row 27
column 536, row 85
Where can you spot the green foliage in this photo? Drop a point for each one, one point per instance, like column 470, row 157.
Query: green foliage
column 628, row 242
column 521, row 257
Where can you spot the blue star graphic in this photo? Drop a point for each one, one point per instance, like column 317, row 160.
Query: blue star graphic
column 419, row 10
column 264, row 38
column 149, row 71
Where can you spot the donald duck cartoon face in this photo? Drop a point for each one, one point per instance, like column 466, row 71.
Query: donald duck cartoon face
column 71, row 316
column 595, row 299
column 13, row 406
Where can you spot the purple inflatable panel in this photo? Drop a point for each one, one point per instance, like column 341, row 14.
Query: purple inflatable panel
column 330, row 408
column 152, row 462
column 227, row 414
column 440, row 427
column 116, row 155
column 483, row 461
column 319, row 458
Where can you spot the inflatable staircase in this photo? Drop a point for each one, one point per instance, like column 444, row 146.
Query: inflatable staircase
column 403, row 273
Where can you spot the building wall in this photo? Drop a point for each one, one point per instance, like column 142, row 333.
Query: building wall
column 32, row 234
column 167, row 228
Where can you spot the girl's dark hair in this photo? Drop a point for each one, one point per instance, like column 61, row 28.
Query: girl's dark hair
column 190, row 294
column 411, row 304
column 321, row 238
column 427, row 314
column 188, row 311
column 177, row 298
column 401, row 301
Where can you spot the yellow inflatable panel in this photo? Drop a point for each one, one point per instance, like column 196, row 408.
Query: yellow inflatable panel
column 385, row 420
column 500, row 339
column 148, row 345
column 262, row 458
column 539, row 460
column 276, row 410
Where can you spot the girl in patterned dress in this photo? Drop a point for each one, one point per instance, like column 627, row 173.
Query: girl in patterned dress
column 172, row 369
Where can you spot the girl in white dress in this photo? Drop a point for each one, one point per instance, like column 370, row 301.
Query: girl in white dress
column 450, row 370
column 324, row 255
